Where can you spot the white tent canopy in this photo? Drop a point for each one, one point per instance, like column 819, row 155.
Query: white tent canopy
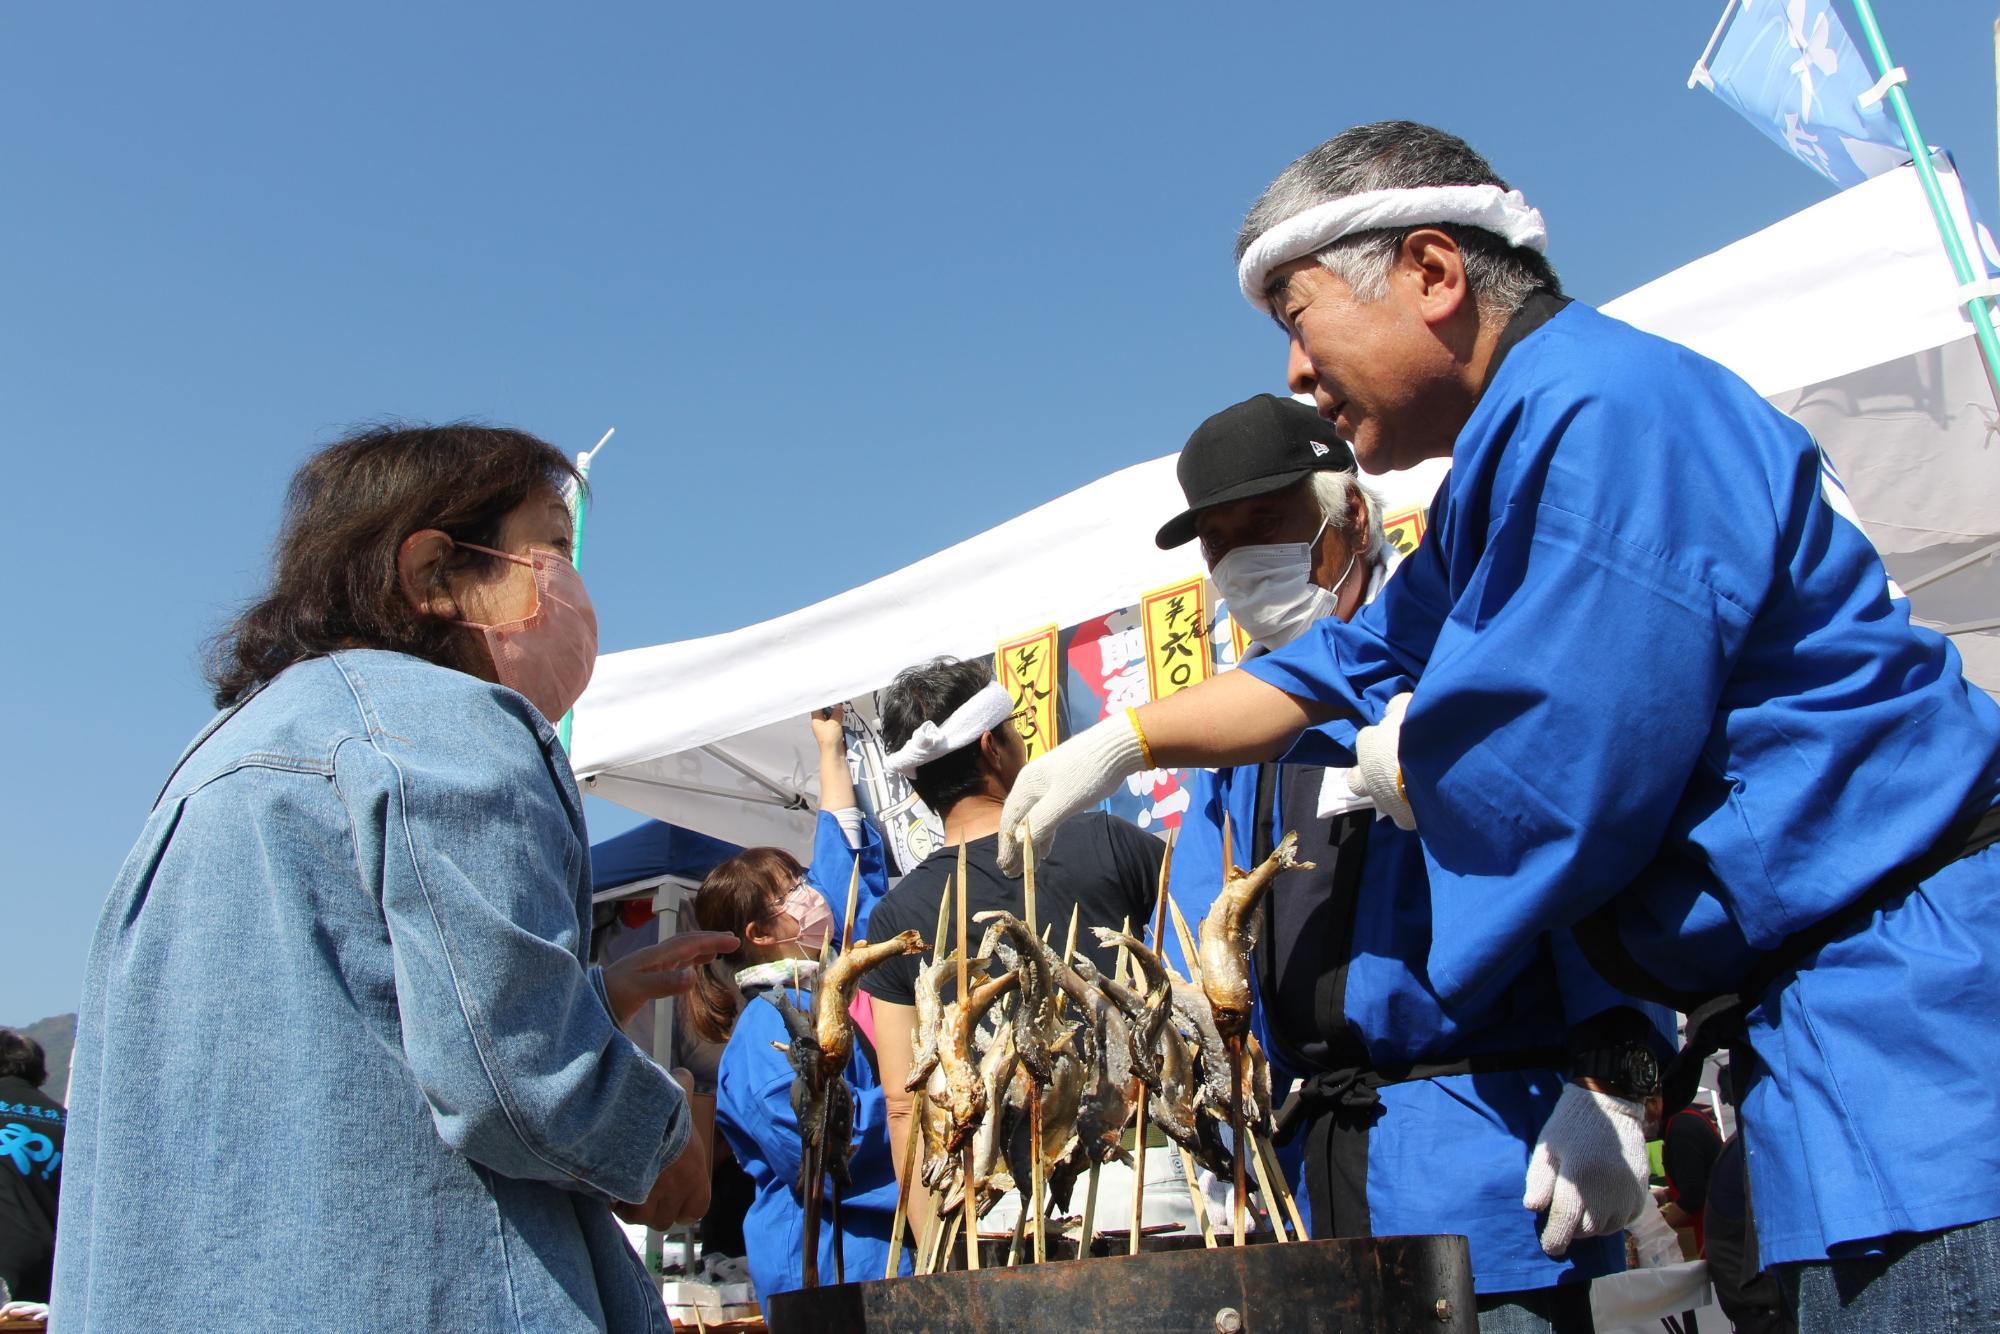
column 1843, row 315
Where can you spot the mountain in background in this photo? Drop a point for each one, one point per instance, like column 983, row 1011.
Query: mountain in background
column 57, row 1034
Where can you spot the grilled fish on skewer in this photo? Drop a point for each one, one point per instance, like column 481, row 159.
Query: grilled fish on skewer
column 998, row 1067
column 1150, row 1019
column 1111, row 1085
column 1168, row 1066
column 822, row 1104
column 965, row 1097
column 1227, row 935
column 929, row 1000
column 1088, row 1092
column 1061, row 1099
column 1034, row 1008
column 834, row 993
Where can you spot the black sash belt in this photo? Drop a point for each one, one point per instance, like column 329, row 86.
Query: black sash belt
column 1718, row 1021
column 1338, row 1108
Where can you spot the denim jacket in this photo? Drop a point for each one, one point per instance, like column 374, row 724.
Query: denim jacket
column 340, row 1058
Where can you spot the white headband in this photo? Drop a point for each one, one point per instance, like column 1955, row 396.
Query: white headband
column 970, row 721
column 1503, row 212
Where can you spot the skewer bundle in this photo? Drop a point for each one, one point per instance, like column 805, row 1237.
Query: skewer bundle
column 1031, row 1078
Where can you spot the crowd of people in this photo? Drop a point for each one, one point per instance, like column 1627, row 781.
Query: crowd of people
column 1640, row 727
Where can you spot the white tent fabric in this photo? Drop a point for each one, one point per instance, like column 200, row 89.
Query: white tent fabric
column 710, row 733
column 1846, row 317
column 1843, row 315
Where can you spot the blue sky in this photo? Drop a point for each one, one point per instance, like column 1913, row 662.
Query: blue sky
column 852, row 283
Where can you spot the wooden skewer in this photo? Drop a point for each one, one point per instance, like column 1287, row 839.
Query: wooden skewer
column 910, row 1138
column 1069, row 948
column 970, row 1209
column 1277, row 1169
column 1087, row 1234
column 1028, row 875
column 1236, row 1129
column 1194, row 1194
column 1123, row 968
column 1034, row 1090
column 853, row 897
column 1189, row 947
column 1254, row 1143
column 1160, row 905
column 809, row 1262
column 943, row 921
column 933, row 1239
column 914, row 1134
column 1014, row 1242
column 951, row 1239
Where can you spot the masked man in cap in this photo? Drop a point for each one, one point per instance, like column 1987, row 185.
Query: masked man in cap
column 1647, row 677
column 1418, row 1116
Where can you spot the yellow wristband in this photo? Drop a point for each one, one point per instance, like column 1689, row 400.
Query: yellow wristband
column 1145, row 750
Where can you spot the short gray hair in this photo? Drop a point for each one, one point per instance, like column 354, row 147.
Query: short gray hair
column 1335, row 490
column 1400, row 154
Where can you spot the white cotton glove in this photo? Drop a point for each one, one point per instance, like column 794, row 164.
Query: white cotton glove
column 1379, row 776
column 1589, row 1168
column 1073, row 777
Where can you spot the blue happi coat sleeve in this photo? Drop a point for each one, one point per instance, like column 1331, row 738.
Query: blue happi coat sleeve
column 1573, row 679
column 832, row 869
column 1585, row 994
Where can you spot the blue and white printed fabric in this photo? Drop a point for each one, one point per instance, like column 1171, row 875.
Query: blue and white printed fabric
column 1789, row 68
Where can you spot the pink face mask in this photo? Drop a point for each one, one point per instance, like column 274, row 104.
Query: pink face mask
column 549, row 654
column 809, row 908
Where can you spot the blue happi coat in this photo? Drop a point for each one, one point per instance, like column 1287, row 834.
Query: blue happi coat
column 1655, row 662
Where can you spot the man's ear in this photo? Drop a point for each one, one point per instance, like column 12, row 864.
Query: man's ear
column 1357, row 513
column 993, row 758
column 1436, row 266
column 419, row 573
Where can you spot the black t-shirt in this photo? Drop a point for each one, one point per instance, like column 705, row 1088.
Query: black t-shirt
column 31, row 1141
column 1108, row 869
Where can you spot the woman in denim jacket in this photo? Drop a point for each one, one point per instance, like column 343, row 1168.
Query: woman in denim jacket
column 340, row 1055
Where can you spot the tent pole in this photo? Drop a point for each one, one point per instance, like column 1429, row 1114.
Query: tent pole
column 579, row 510
column 1978, row 308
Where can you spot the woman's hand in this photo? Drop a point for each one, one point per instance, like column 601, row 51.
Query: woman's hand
column 836, row 784
column 665, row 969
column 826, row 726
column 679, row 1196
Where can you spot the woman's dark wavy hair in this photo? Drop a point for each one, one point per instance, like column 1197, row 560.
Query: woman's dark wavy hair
column 334, row 583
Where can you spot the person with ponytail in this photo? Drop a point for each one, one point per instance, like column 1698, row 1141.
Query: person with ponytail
column 784, row 913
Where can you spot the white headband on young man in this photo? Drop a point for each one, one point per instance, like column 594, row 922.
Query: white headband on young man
column 970, row 721
column 1503, row 212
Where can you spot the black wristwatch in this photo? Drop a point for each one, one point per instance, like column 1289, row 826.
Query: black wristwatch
column 1629, row 1068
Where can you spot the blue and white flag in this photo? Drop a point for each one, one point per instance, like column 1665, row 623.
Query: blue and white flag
column 1790, row 69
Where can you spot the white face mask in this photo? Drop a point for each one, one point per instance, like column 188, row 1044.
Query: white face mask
column 1270, row 589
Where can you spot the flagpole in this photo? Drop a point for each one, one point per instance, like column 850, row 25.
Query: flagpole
column 1700, row 72
column 1976, row 307
column 579, row 510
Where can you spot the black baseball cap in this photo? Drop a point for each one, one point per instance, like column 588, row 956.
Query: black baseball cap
column 1260, row 445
